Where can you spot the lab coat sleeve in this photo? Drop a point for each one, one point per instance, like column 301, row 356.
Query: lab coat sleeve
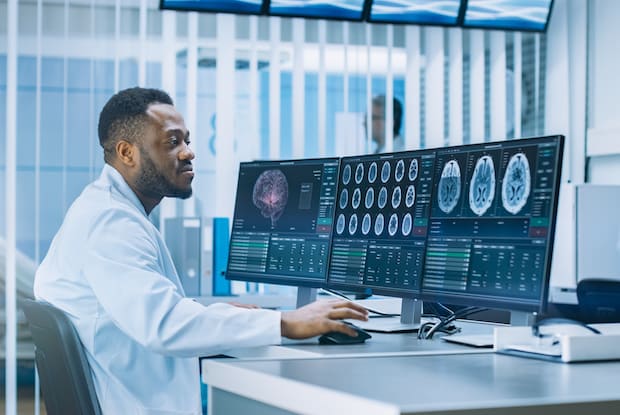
column 123, row 268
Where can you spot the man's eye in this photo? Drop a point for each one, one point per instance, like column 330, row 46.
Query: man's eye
column 174, row 141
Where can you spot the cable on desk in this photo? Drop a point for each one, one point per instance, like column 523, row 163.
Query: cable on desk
column 427, row 330
column 558, row 320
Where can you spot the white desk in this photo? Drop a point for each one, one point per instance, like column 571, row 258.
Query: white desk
column 481, row 384
column 381, row 344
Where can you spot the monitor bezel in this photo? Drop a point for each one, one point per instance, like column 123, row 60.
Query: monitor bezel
column 274, row 278
column 540, row 305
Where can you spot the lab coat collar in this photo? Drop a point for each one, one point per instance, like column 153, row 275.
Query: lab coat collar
column 112, row 177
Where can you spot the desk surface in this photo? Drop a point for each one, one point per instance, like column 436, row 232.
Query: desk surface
column 381, row 344
column 456, row 384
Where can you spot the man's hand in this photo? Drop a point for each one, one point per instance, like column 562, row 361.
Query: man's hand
column 321, row 317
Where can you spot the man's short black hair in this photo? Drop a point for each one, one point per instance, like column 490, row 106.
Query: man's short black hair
column 379, row 101
column 124, row 114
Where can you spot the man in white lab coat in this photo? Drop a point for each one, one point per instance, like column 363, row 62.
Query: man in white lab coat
column 377, row 119
column 109, row 269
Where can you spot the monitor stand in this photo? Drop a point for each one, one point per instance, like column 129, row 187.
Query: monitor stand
column 305, row 296
column 522, row 318
column 410, row 314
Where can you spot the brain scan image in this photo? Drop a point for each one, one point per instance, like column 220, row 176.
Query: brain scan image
column 344, row 198
column 393, row 225
column 372, row 172
column 340, row 224
column 516, row 184
column 382, row 198
column 379, row 224
column 449, row 187
column 370, row 198
column 346, row 174
column 353, row 224
column 407, row 222
column 482, row 186
column 396, row 197
column 270, row 194
column 366, row 224
column 410, row 197
column 357, row 197
column 400, row 170
column 413, row 169
column 359, row 173
column 385, row 172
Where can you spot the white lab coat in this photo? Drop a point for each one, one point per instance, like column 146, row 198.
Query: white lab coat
column 108, row 268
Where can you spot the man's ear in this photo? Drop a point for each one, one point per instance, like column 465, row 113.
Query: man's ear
column 127, row 153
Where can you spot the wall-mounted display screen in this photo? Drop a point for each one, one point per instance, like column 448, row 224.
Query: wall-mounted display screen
column 226, row 6
column 430, row 12
column 531, row 15
column 338, row 9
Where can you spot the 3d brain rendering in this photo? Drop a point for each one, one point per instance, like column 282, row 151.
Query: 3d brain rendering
column 482, row 186
column 270, row 194
column 516, row 184
column 449, row 188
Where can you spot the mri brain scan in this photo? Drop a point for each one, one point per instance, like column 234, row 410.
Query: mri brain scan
column 270, row 194
column 449, row 187
column 413, row 169
column 340, row 224
column 393, row 225
column 370, row 198
column 379, row 224
column 344, row 198
column 482, row 186
column 346, row 174
column 353, row 224
column 382, row 198
column 357, row 197
column 366, row 224
column 372, row 172
column 410, row 197
column 385, row 172
column 359, row 173
column 396, row 197
column 407, row 222
column 400, row 170
column 516, row 184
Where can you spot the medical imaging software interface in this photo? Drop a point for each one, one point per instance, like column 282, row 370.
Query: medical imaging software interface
column 381, row 222
column 283, row 221
column 491, row 221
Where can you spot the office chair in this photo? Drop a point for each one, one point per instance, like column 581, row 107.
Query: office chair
column 599, row 300
column 66, row 379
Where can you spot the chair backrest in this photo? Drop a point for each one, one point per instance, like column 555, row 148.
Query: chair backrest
column 66, row 379
column 599, row 300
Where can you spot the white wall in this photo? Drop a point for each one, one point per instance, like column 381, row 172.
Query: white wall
column 603, row 143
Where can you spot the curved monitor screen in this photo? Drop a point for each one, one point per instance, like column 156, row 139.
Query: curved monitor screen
column 339, row 9
column 381, row 221
column 508, row 14
column 429, row 12
column 492, row 222
column 282, row 222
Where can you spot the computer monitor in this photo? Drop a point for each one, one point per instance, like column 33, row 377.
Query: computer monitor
column 492, row 221
column 281, row 229
column 380, row 226
column 215, row 6
column 426, row 12
column 531, row 15
column 333, row 10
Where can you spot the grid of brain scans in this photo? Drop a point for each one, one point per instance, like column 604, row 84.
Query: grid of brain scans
column 382, row 209
column 490, row 218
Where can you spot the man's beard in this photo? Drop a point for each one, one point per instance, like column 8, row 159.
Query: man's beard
column 151, row 182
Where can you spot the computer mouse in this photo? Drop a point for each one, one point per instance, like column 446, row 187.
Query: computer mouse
column 336, row 337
